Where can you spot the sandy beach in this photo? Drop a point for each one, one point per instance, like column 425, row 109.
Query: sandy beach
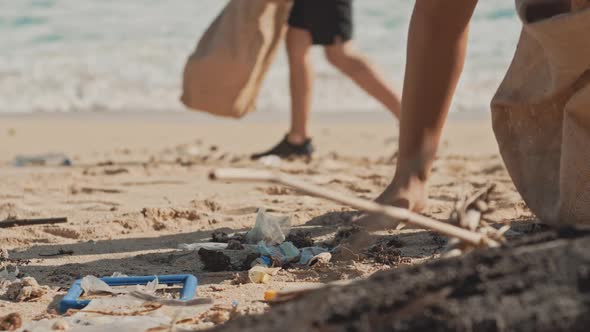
column 138, row 189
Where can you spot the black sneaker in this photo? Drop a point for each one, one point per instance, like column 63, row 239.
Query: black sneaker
column 286, row 150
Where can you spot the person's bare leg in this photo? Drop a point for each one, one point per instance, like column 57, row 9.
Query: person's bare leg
column 436, row 53
column 363, row 73
column 299, row 43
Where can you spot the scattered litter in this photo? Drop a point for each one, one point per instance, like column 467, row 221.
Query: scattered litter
column 307, row 254
column 6, row 275
column 48, row 159
column 270, row 161
column 320, row 259
column 214, row 261
column 263, row 261
column 92, row 285
column 150, row 287
column 268, row 228
column 72, row 300
column 261, row 275
column 11, row 322
column 282, row 254
column 118, row 275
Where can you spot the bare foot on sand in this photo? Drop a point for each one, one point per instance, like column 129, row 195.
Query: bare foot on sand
column 410, row 194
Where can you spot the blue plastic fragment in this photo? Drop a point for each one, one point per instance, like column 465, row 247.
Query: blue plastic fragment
column 188, row 292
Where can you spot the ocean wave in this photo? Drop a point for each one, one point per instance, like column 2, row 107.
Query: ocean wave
column 85, row 55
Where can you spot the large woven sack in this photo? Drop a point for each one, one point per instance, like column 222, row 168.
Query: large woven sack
column 541, row 112
column 224, row 74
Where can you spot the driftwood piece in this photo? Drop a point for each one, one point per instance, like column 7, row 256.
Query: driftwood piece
column 540, row 283
column 30, row 222
column 395, row 213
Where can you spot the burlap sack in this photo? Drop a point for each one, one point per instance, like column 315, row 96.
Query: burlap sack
column 541, row 112
column 224, row 74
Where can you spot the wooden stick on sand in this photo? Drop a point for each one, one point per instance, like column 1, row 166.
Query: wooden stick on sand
column 399, row 214
column 31, row 222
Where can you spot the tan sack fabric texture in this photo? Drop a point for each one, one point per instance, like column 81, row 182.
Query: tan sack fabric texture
column 541, row 112
column 224, row 74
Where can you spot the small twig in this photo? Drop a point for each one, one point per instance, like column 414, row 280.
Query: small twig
column 61, row 252
column 468, row 214
column 31, row 222
column 151, row 307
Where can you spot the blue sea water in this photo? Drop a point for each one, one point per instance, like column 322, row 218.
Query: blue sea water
column 112, row 55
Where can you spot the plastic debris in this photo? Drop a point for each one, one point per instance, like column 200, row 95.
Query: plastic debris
column 48, row 159
column 321, row 259
column 261, row 275
column 118, row 275
column 151, row 286
column 93, row 285
column 262, row 260
column 270, row 295
column 284, row 253
column 268, row 228
column 308, row 254
column 5, row 275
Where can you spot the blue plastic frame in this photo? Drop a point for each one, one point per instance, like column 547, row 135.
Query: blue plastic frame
column 189, row 288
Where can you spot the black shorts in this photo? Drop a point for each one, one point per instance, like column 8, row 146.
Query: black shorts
column 324, row 19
